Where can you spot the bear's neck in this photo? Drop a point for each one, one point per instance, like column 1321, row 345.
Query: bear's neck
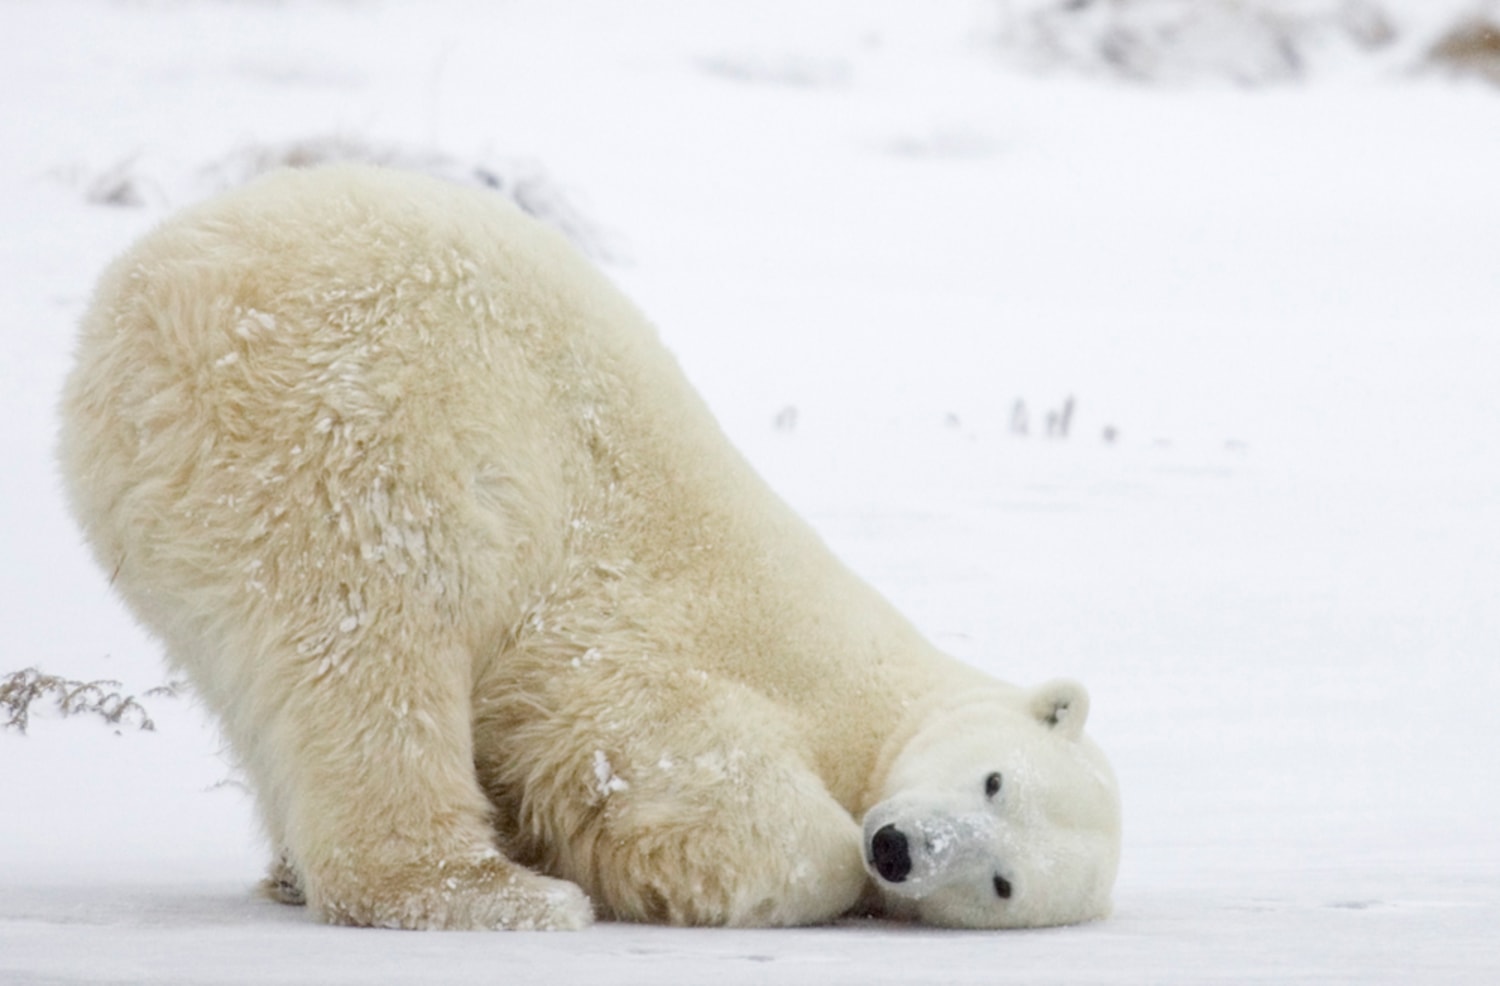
column 764, row 601
column 796, row 624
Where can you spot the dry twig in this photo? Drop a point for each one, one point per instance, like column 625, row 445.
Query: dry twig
column 19, row 689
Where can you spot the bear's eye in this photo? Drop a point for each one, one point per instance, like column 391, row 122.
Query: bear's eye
column 1002, row 887
column 992, row 785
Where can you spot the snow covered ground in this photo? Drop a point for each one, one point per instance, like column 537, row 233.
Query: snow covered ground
column 868, row 233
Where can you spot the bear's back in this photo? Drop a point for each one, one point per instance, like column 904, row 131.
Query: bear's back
column 339, row 368
column 347, row 377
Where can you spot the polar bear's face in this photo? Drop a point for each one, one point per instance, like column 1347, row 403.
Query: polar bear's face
column 999, row 815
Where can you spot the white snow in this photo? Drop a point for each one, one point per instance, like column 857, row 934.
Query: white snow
column 606, row 781
column 867, row 233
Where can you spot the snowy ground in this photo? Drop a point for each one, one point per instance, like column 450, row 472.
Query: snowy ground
column 1280, row 579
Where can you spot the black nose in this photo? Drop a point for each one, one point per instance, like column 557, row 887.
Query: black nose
column 888, row 853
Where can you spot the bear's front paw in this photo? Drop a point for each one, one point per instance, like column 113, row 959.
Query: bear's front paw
column 489, row 893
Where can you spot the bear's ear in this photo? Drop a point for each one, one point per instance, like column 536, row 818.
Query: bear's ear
column 1061, row 705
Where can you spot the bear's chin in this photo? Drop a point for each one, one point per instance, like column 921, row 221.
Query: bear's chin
column 976, row 906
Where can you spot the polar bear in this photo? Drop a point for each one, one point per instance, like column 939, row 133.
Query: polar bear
column 502, row 630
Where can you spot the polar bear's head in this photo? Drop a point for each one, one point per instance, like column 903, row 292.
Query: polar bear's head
column 998, row 813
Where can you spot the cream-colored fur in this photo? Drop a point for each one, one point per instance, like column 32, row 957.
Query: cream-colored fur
column 997, row 790
column 486, row 604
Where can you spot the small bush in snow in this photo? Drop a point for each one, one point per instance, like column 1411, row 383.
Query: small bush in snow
column 20, row 689
column 1248, row 42
column 1472, row 47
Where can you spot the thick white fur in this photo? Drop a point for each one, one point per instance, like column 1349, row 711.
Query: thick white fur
column 486, row 604
column 1051, row 831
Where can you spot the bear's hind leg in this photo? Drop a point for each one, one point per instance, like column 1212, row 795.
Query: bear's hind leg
column 367, row 764
column 282, row 882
